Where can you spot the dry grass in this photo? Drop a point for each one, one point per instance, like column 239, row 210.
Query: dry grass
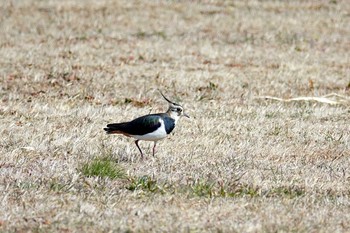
column 238, row 165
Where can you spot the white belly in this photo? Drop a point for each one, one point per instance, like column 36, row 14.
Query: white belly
column 160, row 133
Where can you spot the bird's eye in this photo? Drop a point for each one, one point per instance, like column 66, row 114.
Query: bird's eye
column 179, row 109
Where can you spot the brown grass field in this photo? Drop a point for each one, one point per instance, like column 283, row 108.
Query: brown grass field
column 240, row 163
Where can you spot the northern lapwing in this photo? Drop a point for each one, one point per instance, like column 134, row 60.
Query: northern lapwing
column 152, row 127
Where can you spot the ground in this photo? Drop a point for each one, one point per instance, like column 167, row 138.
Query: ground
column 240, row 163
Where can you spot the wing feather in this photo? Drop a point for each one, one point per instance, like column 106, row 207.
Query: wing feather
column 139, row 126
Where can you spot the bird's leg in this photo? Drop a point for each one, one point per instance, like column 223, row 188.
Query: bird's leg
column 154, row 147
column 137, row 144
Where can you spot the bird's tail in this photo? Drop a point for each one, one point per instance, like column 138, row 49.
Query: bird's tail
column 116, row 128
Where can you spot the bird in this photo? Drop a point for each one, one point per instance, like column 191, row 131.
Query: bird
column 151, row 127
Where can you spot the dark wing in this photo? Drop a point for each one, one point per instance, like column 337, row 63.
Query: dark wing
column 139, row 126
column 116, row 128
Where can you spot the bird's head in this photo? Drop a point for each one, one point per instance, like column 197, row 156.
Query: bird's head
column 175, row 110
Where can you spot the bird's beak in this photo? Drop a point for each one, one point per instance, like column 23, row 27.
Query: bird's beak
column 186, row 115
